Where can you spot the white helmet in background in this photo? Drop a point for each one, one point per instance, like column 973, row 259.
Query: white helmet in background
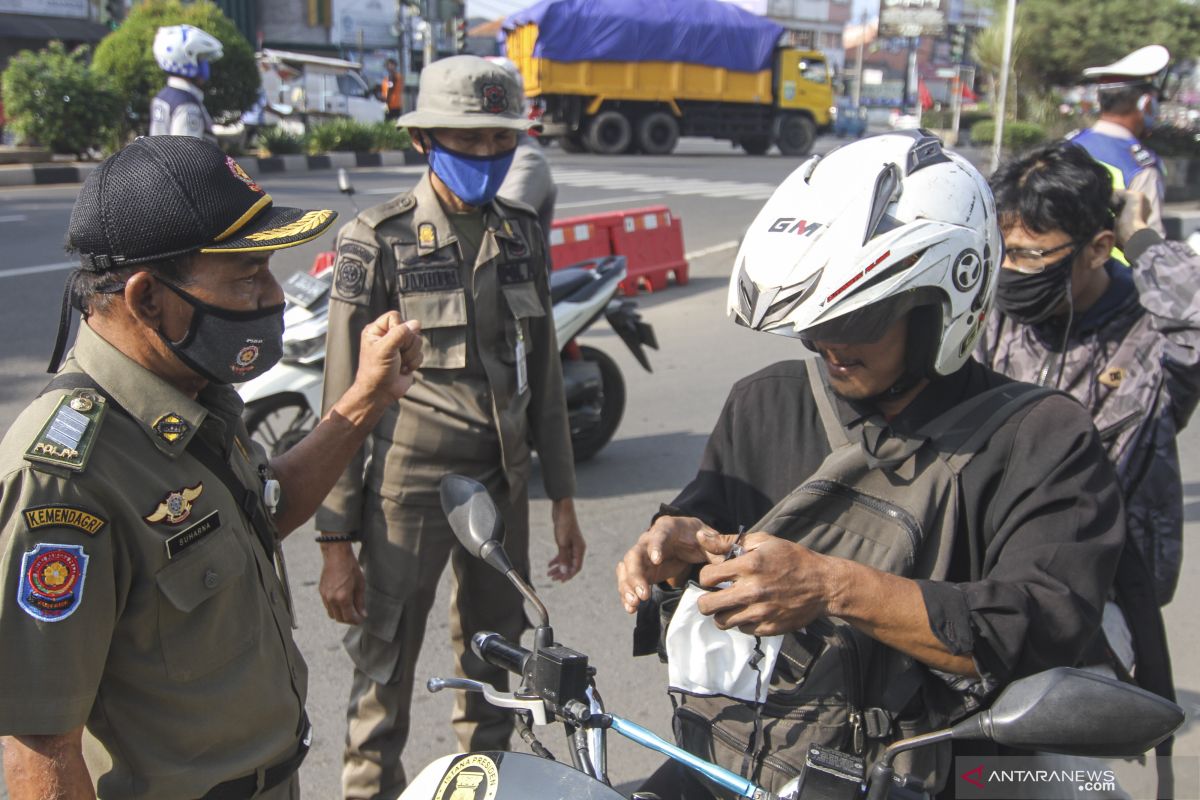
column 851, row 242
column 185, row 50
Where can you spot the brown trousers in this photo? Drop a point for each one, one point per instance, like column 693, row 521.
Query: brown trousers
column 386, row 647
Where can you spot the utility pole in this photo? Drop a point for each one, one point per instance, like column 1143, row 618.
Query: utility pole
column 858, row 62
column 1010, row 22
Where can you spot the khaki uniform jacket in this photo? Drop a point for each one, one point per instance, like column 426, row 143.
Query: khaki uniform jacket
column 134, row 595
column 405, row 255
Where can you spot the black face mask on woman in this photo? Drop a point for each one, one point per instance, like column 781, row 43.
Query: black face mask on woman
column 228, row 346
column 1033, row 298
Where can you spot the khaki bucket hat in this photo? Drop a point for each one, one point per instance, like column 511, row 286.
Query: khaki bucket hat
column 468, row 92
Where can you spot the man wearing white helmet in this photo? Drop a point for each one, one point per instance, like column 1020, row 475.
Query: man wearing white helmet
column 921, row 530
column 184, row 53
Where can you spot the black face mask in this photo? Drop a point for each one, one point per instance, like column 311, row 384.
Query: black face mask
column 1030, row 299
column 229, row 346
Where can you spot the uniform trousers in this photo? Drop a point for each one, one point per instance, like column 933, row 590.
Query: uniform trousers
column 385, row 649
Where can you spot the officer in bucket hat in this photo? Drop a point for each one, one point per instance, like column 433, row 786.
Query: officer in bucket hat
column 473, row 268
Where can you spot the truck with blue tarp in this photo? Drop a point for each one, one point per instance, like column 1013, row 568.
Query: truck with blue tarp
column 615, row 76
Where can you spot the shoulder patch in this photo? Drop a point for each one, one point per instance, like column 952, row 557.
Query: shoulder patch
column 1143, row 157
column 62, row 516
column 67, row 438
column 51, row 581
column 1112, row 377
column 352, row 269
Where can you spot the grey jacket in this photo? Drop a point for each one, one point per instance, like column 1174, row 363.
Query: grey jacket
column 1133, row 360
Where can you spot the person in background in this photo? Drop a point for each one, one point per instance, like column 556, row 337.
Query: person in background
column 391, row 90
column 1129, row 93
column 184, row 52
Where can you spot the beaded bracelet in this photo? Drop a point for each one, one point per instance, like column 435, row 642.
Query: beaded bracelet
column 328, row 538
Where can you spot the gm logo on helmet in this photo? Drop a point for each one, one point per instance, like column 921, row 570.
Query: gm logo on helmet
column 799, row 227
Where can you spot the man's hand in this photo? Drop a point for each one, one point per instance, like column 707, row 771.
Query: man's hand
column 569, row 539
column 1134, row 216
column 342, row 586
column 778, row 586
column 666, row 552
column 389, row 353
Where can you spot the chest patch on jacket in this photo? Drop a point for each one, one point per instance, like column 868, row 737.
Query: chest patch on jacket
column 1112, row 377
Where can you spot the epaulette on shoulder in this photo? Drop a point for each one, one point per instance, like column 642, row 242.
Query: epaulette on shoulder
column 516, row 205
column 66, row 441
column 1070, row 137
column 392, row 208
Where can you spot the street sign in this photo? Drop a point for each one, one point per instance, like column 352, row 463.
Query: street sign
column 911, row 18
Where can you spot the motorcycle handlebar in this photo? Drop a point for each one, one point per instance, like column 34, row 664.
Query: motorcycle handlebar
column 499, row 652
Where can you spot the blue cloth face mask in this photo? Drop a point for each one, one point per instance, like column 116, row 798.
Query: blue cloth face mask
column 475, row 179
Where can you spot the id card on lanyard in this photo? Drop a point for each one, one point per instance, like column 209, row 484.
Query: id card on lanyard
column 522, row 367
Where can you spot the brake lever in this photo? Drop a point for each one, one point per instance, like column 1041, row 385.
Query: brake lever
column 534, row 705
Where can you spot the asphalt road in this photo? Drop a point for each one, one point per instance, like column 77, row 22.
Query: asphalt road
column 715, row 192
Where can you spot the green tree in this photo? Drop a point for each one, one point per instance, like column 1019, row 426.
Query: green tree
column 53, row 100
column 126, row 56
column 1073, row 34
column 988, row 52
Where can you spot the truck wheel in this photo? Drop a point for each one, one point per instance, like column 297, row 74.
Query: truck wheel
column 572, row 143
column 609, row 133
column 658, row 133
column 795, row 135
column 756, row 145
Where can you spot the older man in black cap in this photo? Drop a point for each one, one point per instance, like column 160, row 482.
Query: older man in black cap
column 147, row 632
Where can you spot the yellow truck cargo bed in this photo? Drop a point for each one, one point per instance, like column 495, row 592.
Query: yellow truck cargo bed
column 641, row 81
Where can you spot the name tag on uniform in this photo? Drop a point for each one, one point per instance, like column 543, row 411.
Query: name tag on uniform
column 522, row 367
column 186, row 538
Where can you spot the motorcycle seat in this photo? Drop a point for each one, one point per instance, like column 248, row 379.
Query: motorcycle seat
column 565, row 282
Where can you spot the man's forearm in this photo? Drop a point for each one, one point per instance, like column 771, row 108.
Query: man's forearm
column 892, row 610
column 308, row 471
column 46, row 767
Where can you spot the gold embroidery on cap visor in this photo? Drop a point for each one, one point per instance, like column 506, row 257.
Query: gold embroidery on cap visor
column 308, row 227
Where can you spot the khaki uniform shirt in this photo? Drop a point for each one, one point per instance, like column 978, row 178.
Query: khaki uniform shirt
column 406, row 255
column 134, row 594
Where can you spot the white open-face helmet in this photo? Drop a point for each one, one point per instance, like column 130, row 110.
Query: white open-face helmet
column 849, row 243
column 185, row 50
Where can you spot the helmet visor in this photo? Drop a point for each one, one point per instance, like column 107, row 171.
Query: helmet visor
column 866, row 325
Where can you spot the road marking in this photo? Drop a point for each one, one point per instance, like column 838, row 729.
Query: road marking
column 14, row 218
column 14, row 273
column 612, row 202
column 657, row 184
column 708, row 251
column 391, row 190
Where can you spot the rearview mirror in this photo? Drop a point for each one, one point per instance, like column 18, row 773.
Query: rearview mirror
column 344, row 184
column 1073, row 711
column 475, row 520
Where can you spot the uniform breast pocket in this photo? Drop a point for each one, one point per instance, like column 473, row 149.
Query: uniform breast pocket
column 207, row 608
column 524, row 304
column 443, row 318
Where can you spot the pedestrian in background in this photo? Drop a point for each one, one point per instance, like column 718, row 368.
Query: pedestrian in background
column 391, row 90
column 472, row 267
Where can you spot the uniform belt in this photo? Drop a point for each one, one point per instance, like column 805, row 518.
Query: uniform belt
column 247, row 787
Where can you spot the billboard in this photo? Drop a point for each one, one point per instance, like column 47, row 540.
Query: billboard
column 911, row 18
column 47, row 8
column 374, row 20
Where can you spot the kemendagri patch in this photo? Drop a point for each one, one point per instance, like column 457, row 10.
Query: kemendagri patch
column 59, row 516
column 52, row 578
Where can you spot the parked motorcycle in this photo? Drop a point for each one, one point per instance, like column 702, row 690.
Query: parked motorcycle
column 284, row 404
column 1059, row 710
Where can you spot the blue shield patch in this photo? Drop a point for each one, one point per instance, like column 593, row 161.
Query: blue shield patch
column 52, row 577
